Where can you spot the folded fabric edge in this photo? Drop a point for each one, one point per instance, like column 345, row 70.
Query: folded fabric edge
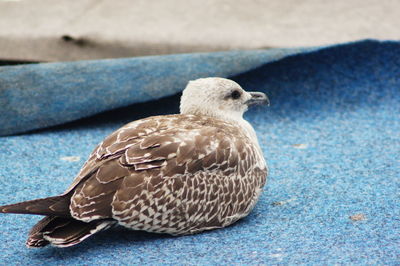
column 43, row 95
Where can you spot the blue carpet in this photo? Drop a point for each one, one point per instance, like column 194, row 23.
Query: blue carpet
column 331, row 138
column 42, row 95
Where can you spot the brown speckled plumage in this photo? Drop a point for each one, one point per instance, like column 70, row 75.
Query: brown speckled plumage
column 176, row 174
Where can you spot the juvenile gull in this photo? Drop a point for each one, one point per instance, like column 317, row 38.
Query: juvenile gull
column 178, row 174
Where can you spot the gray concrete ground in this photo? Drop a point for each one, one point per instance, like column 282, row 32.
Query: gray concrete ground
column 63, row 30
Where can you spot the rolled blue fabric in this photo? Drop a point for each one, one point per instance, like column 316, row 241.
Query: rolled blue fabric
column 43, row 95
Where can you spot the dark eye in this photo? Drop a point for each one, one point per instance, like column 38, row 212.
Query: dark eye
column 236, row 94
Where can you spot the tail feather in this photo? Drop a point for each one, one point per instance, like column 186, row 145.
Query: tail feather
column 35, row 239
column 53, row 206
column 64, row 232
column 58, row 228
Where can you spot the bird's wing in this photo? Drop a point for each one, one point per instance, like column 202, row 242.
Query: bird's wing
column 183, row 177
column 133, row 176
column 116, row 143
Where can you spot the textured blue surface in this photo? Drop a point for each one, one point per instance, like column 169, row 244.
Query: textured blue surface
column 342, row 103
column 43, row 95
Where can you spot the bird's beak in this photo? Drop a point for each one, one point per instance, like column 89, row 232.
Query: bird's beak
column 257, row 98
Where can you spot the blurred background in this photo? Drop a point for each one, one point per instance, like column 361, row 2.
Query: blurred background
column 65, row 30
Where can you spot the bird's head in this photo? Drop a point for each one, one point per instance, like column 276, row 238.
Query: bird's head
column 218, row 97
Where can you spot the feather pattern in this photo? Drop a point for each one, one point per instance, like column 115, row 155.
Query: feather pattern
column 181, row 175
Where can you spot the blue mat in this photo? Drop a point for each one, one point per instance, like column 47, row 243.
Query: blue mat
column 43, row 95
column 331, row 138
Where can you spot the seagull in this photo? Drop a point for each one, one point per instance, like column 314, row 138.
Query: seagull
column 178, row 174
